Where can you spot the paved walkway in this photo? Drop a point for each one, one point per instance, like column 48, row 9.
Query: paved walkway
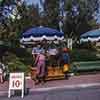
column 72, row 82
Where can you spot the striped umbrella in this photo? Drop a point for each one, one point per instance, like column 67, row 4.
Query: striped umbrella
column 93, row 35
column 41, row 33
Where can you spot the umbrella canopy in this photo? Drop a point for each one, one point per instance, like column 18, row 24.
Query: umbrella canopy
column 41, row 33
column 93, row 35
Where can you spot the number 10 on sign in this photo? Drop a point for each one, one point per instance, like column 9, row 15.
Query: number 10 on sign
column 16, row 84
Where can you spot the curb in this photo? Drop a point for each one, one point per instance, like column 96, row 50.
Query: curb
column 64, row 87
column 3, row 93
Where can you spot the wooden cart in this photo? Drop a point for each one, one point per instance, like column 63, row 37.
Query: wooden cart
column 52, row 73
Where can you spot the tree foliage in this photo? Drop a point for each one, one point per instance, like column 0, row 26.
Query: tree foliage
column 11, row 29
column 79, row 17
column 51, row 12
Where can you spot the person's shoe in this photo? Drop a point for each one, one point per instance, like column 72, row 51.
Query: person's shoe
column 37, row 82
column 42, row 82
column 66, row 77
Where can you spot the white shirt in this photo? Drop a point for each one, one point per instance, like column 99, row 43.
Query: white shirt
column 52, row 51
column 36, row 50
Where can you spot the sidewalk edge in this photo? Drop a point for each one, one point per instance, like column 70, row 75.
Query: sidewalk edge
column 65, row 87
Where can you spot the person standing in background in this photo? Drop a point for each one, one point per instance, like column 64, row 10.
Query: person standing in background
column 65, row 60
column 40, row 66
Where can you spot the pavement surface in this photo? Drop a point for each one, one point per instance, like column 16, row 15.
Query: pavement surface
column 89, row 93
column 74, row 83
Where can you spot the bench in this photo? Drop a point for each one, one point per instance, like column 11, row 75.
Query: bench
column 89, row 66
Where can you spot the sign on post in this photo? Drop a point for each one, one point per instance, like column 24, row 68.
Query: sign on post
column 16, row 82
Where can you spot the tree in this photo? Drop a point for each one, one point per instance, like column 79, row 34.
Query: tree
column 51, row 13
column 29, row 17
column 10, row 28
column 79, row 17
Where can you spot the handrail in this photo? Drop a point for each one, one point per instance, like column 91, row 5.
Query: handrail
column 86, row 62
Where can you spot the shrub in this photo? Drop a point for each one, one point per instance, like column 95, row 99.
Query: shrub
column 83, row 55
column 15, row 65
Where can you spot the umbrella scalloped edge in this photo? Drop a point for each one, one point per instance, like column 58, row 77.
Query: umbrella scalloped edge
column 41, row 38
column 92, row 39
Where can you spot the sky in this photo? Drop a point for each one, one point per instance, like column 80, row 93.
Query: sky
column 32, row 1
column 35, row 2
